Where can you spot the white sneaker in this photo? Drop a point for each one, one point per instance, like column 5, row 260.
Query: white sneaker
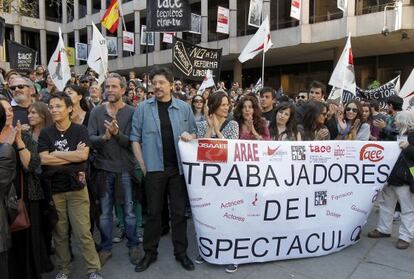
column 62, row 275
column 118, row 236
column 231, row 268
column 199, row 260
column 94, row 275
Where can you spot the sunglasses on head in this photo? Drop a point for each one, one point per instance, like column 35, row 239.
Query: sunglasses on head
column 21, row 86
column 353, row 109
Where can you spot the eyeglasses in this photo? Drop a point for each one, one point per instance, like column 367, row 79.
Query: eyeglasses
column 84, row 81
column 353, row 109
column 301, row 97
column 21, row 86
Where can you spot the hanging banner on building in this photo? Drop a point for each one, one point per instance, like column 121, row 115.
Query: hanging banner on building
column 381, row 94
column 255, row 13
column 223, row 20
column 70, row 54
column 2, row 30
column 295, row 9
column 128, row 41
column 112, row 44
column 195, row 24
column 166, row 15
column 81, row 51
column 270, row 200
column 342, row 5
column 193, row 62
column 168, row 37
column 147, row 35
column 21, row 57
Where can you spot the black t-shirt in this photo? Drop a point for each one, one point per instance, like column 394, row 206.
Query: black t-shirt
column 51, row 139
column 269, row 116
column 20, row 114
column 167, row 136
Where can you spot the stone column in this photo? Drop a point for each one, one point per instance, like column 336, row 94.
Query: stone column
column 137, row 32
column 77, row 40
column 237, row 72
column 43, row 48
column 204, row 21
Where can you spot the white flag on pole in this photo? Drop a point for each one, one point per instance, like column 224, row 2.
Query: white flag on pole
column 207, row 82
column 257, row 42
column 407, row 92
column 295, row 8
column 98, row 57
column 343, row 76
column 342, row 4
column 59, row 66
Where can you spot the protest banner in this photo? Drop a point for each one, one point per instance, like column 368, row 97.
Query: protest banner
column 295, row 9
column 21, row 57
column 192, row 61
column 168, row 16
column 70, row 53
column 255, row 13
column 112, row 44
column 381, row 94
column 167, row 37
column 81, row 51
column 257, row 201
column 128, row 41
column 150, row 36
column 195, row 24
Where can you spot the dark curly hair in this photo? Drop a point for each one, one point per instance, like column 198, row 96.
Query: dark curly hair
column 258, row 121
column 291, row 126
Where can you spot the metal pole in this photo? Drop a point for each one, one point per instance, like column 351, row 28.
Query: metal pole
column 146, row 60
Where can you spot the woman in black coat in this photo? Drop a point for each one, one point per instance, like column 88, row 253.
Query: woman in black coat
column 400, row 187
column 7, row 173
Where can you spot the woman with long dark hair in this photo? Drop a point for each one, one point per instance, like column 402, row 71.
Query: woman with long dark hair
column 284, row 127
column 249, row 117
column 80, row 113
column 314, row 118
column 350, row 126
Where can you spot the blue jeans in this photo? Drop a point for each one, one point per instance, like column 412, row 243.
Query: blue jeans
column 107, row 205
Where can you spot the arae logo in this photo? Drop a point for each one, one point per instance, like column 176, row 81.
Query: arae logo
column 212, row 151
column 371, row 152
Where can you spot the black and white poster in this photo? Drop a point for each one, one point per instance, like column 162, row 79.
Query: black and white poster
column 112, row 44
column 168, row 15
column 255, row 12
column 21, row 57
column 81, row 51
column 192, row 61
column 145, row 35
column 195, row 24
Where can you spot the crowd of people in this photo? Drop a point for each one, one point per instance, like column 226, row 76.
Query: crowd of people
column 77, row 157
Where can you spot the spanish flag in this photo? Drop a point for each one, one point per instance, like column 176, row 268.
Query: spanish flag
column 111, row 17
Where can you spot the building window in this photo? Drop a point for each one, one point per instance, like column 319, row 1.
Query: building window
column 191, row 37
column 96, row 6
column 53, row 10
column 373, row 6
column 243, row 28
column 323, row 10
column 280, row 15
column 82, row 8
column 212, row 20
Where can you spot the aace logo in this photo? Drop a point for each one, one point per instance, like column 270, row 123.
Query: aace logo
column 371, row 152
column 212, row 151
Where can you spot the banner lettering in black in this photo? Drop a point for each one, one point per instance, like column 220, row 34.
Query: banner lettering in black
column 21, row 56
column 168, row 15
column 193, row 62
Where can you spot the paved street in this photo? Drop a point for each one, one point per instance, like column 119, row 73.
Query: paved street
column 369, row 258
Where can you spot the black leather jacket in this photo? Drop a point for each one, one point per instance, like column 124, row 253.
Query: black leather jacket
column 7, row 173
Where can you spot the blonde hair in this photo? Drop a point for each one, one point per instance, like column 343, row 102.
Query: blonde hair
column 405, row 121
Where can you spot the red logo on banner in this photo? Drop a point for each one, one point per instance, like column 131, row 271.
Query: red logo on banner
column 296, row 3
column 371, row 152
column 212, row 151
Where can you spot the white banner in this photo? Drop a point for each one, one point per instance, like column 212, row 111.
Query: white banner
column 128, row 41
column 295, row 8
column 263, row 201
column 223, row 20
column 167, row 37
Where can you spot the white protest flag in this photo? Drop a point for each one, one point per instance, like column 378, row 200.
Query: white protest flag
column 407, row 92
column 343, row 76
column 257, row 42
column 207, row 82
column 258, row 85
column 342, row 4
column 98, row 57
column 295, row 8
column 59, row 66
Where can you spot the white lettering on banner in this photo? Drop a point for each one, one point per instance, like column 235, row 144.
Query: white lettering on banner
column 264, row 201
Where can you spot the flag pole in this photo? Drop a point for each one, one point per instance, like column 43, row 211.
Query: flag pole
column 264, row 50
column 123, row 23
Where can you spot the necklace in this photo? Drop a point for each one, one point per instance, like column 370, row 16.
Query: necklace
column 63, row 132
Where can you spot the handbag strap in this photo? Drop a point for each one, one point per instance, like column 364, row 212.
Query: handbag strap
column 21, row 185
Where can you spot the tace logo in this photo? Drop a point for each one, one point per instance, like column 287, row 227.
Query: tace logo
column 212, row 151
column 371, row 152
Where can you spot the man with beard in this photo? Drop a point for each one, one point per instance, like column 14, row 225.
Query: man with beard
column 22, row 89
column 109, row 128
column 157, row 125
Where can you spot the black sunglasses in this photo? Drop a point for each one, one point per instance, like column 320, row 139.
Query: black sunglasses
column 353, row 109
column 301, row 97
column 21, row 86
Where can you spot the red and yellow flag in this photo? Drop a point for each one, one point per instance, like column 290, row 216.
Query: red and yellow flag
column 111, row 17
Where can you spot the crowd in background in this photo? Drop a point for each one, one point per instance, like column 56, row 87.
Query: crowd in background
column 70, row 156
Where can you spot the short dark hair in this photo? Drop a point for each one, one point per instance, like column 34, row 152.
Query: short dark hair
column 162, row 71
column 63, row 97
column 396, row 102
column 318, row 84
column 82, row 92
column 142, row 88
column 215, row 99
column 374, row 104
column 266, row 90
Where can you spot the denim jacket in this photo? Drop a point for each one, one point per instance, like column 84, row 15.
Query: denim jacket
column 146, row 130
